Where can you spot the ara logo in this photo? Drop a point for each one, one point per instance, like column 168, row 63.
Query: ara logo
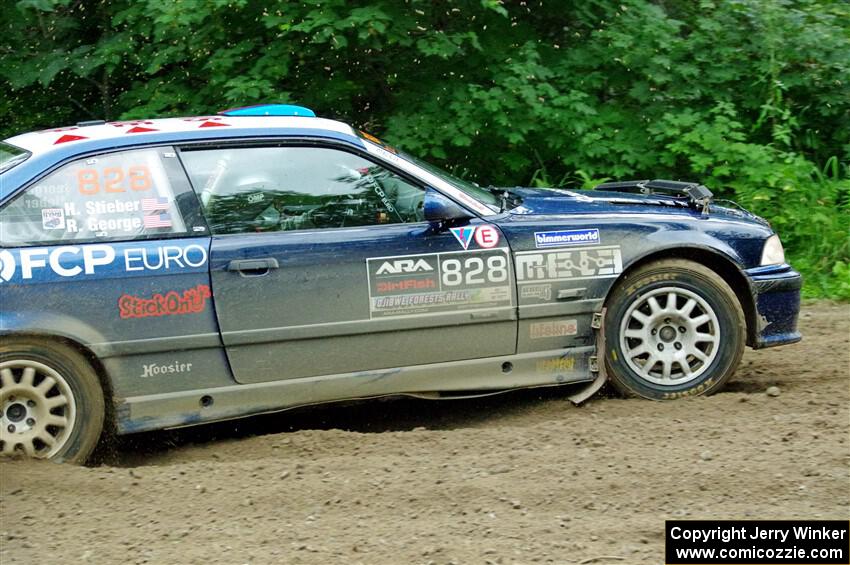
column 7, row 265
column 485, row 236
column 400, row 266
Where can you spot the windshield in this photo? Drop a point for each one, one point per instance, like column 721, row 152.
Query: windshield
column 473, row 190
column 11, row 156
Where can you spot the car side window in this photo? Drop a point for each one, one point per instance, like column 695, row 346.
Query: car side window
column 258, row 189
column 126, row 195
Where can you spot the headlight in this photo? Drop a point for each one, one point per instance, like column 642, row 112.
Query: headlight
column 773, row 254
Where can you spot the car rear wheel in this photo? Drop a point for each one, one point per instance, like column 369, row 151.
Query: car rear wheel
column 51, row 401
column 674, row 328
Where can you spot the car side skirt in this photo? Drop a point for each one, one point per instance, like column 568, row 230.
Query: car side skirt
column 185, row 408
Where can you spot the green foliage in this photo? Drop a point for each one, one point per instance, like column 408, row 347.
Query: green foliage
column 751, row 97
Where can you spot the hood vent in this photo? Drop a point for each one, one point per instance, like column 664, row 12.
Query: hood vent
column 698, row 196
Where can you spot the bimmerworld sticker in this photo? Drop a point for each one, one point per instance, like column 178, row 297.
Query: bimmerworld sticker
column 563, row 238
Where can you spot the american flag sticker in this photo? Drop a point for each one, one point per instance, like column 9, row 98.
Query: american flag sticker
column 154, row 204
column 158, row 221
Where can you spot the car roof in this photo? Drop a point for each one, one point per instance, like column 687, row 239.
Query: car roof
column 46, row 141
column 51, row 147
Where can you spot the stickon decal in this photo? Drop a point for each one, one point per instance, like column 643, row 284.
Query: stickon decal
column 172, row 303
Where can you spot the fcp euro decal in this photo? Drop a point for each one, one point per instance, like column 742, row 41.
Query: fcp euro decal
column 7, row 265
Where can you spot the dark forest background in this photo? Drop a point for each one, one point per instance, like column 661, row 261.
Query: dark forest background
column 750, row 97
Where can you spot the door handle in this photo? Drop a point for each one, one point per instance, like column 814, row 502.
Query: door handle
column 571, row 293
column 253, row 267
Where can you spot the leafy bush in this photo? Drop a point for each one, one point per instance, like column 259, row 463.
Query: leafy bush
column 751, row 97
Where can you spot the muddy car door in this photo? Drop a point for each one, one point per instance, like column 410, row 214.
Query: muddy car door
column 322, row 263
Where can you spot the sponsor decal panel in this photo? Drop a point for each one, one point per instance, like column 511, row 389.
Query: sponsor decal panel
column 558, row 328
column 563, row 265
column 563, row 238
column 53, row 264
column 438, row 282
column 171, row 303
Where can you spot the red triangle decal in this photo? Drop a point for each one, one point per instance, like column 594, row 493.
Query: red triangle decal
column 140, row 129
column 67, row 137
column 209, row 124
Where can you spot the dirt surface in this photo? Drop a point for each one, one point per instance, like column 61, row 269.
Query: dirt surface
column 520, row 478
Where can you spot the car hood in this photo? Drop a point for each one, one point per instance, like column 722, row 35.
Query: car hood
column 557, row 201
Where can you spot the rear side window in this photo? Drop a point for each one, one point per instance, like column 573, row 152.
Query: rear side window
column 128, row 195
column 11, row 156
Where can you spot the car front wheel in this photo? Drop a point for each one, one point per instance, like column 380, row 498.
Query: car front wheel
column 51, row 401
column 674, row 328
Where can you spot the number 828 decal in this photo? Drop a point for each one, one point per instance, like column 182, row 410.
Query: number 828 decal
column 439, row 282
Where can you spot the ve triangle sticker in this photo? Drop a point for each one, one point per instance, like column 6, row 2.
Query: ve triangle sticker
column 463, row 235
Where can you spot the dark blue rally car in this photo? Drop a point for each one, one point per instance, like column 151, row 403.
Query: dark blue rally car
column 162, row 273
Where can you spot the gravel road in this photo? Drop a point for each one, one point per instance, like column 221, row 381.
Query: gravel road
column 520, row 478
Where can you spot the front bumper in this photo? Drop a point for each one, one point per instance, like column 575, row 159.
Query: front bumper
column 776, row 297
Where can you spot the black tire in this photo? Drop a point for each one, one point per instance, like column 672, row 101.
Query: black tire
column 638, row 331
column 22, row 401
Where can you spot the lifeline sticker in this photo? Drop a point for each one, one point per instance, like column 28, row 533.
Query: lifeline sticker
column 192, row 301
column 558, row 328
column 563, row 238
column 463, row 235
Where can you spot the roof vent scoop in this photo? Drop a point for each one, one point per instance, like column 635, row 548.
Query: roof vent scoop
column 270, row 110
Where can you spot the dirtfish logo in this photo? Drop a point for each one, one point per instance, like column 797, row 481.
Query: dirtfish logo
column 566, row 237
column 400, row 266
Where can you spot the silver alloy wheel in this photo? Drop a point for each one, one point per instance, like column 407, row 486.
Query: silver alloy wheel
column 38, row 409
column 670, row 336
